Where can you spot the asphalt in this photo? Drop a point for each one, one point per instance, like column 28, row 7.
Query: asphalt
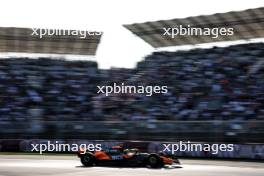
column 35, row 165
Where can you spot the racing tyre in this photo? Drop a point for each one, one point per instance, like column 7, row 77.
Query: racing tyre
column 154, row 161
column 87, row 160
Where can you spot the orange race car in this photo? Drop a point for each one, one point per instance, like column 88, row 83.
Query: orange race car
column 118, row 156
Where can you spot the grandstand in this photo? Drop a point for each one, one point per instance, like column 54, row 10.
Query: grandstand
column 53, row 41
column 207, row 86
column 214, row 94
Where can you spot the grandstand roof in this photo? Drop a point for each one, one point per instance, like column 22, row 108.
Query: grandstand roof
column 25, row 41
column 247, row 24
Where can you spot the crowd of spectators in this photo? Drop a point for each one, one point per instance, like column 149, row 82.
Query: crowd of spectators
column 220, row 83
column 46, row 89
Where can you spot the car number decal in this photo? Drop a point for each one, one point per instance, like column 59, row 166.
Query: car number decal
column 117, row 157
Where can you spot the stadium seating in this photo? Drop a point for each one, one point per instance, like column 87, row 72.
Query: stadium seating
column 220, row 83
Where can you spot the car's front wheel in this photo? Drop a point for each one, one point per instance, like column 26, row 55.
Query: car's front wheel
column 87, row 159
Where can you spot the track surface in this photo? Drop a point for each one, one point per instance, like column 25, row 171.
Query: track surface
column 27, row 165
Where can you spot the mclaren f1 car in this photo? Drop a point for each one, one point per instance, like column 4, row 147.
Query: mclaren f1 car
column 118, row 156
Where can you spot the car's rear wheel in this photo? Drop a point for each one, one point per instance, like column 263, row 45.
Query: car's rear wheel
column 154, row 161
column 87, row 160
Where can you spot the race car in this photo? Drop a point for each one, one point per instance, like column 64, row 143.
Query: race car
column 118, row 156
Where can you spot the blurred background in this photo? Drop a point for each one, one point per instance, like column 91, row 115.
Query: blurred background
column 215, row 94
